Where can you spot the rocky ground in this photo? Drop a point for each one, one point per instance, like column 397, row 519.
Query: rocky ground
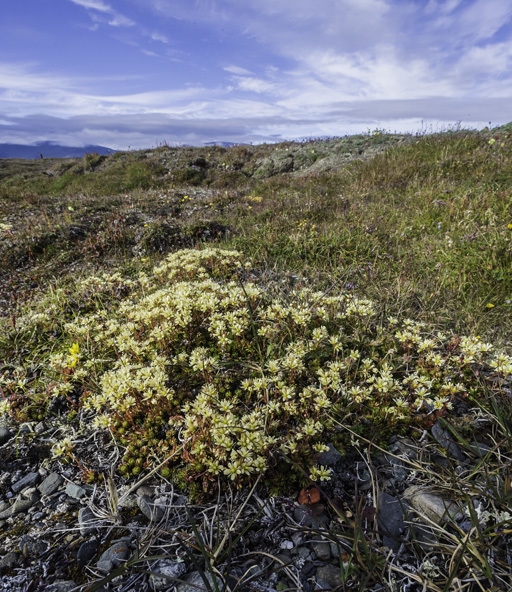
column 60, row 534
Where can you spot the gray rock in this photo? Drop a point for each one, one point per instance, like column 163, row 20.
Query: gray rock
column 282, row 558
column 31, row 494
column 304, row 517
column 364, row 478
column 87, row 521
column 303, row 553
column 144, row 490
column 396, row 464
column 5, row 434
column 481, row 449
column 27, row 427
column 40, row 427
column 61, row 586
column 113, row 556
column 149, row 508
column 407, row 447
column 4, row 506
column 322, row 550
column 423, row 535
column 331, row 574
column 195, row 582
column 20, row 505
column 322, row 584
column 75, row 491
column 433, row 507
column 28, row 481
column 9, row 560
column 7, row 513
column 87, row 551
column 331, row 457
column 308, row 568
column 32, row 547
column 335, row 550
column 390, row 518
column 444, row 439
column 50, row 484
column 165, row 572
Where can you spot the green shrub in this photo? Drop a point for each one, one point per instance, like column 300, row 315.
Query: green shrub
column 199, row 362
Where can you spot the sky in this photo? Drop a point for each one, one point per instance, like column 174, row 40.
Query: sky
column 132, row 74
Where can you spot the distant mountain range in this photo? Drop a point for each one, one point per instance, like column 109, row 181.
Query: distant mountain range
column 49, row 150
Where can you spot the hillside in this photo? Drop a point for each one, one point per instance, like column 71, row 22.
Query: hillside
column 274, row 367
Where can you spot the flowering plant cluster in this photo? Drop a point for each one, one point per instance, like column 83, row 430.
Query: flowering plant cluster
column 200, row 362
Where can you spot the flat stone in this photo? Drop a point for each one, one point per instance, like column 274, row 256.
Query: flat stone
column 480, row 449
column 5, row 434
column 304, row 517
column 87, row 521
column 31, row 547
column 444, row 439
column 87, row 551
column 28, row 481
column 282, row 558
column 331, row 457
column 50, row 484
column 7, row 513
column 322, row 584
column 144, row 490
column 61, row 586
column 27, row 427
column 149, row 508
column 75, row 491
column 4, row 506
column 397, row 465
column 165, row 572
column 31, row 495
column 20, row 505
column 113, row 557
column 390, row 518
column 407, row 447
column 322, row 551
column 431, row 506
column 195, row 582
column 9, row 560
column 303, row 553
column 331, row 574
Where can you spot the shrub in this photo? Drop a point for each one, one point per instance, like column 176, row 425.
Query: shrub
column 199, row 361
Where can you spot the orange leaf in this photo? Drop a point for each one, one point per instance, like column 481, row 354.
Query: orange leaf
column 309, row 495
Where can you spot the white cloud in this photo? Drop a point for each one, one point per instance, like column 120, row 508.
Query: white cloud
column 482, row 19
column 116, row 19
column 443, row 7
column 159, row 37
column 93, row 4
column 22, row 77
column 473, row 22
column 237, row 70
column 256, row 85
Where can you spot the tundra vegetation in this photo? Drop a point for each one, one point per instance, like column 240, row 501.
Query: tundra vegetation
column 222, row 315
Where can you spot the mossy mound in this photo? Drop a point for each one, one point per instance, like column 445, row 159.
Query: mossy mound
column 201, row 369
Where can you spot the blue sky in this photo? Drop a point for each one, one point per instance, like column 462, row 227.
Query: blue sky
column 137, row 73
